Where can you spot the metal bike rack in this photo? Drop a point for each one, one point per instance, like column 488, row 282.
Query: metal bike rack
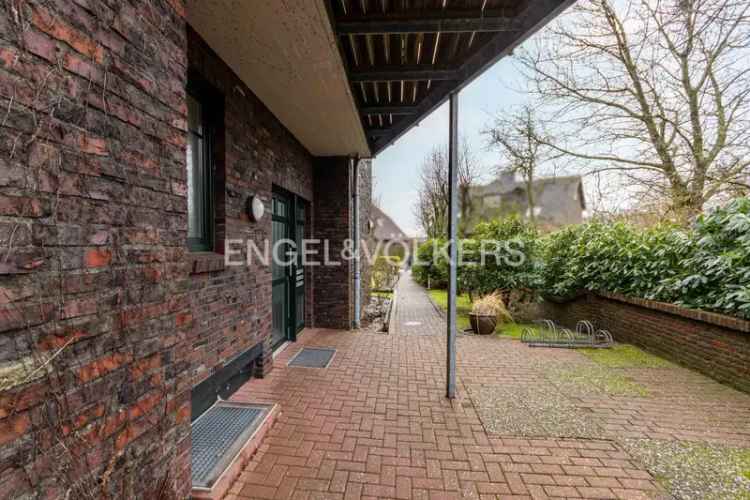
column 550, row 335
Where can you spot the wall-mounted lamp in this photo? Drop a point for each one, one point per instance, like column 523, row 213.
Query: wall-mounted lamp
column 255, row 208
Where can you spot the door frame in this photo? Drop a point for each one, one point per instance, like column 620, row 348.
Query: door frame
column 291, row 221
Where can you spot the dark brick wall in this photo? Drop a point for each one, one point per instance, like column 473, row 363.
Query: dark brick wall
column 333, row 283
column 94, row 304
column 232, row 306
column 715, row 345
column 106, row 321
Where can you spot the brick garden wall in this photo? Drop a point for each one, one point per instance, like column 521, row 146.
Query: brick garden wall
column 713, row 344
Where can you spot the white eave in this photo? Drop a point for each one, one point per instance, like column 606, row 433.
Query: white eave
column 286, row 53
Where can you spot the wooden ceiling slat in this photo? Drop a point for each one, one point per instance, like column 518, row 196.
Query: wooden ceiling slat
column 397, row 44
column 452, row 23
column 403, row 110
column 398, row 73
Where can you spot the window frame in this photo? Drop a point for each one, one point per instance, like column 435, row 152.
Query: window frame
column 206, row 97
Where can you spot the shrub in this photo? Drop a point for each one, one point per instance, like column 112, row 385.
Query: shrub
column 615, row 257
column 715, row 274
column 510, row 258
column 492, row 305
column 706, row 266
column 385, row 272
column 430, row 267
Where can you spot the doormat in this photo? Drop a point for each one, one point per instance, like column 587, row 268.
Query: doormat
column 313, row 357
column 219, row 435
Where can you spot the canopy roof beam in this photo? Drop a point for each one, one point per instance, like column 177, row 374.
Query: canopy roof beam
column 448, row 23
column 407, row 73
column 389, row 110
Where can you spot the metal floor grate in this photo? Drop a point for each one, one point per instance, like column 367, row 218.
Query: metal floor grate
column 218, row 435
column 313, row 357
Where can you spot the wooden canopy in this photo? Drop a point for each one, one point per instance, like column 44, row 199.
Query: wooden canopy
column 404, row 57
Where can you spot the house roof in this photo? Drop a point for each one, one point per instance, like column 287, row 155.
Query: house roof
column 550, row 185
column 351, row 76
column 384, row 227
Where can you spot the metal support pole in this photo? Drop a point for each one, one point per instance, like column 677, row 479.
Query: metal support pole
column 452, row 232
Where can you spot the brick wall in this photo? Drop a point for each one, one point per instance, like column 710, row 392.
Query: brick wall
column 94, row 305
column 713, row 344
column 333, row 283
column 232, row 306
column 106, row 321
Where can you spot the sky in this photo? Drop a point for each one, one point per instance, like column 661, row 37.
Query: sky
column 396, row 169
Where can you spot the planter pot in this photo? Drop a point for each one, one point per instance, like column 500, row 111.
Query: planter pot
column 482, row 324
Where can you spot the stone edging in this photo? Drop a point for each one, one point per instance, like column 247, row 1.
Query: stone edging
column 711, row 318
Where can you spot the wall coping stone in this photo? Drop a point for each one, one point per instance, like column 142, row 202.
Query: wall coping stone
column 712, row 318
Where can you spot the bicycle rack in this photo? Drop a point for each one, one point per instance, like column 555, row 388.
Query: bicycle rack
column 550, row 335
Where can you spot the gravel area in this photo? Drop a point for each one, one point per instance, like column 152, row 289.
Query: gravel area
column 531, row 411
column 695, row 471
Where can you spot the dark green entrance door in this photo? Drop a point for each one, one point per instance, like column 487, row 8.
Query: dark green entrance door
column 288, row 276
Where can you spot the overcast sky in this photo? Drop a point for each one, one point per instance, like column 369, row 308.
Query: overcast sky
column 396, row 169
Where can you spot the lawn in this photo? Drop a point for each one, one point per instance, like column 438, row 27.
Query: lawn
column 463, row 308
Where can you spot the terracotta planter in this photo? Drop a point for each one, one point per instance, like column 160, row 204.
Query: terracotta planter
column 482, row 324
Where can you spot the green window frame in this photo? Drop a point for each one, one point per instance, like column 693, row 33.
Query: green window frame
column 200, row 174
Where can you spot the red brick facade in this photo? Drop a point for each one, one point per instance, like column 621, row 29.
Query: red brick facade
column 715, row 345
column 259, row 154
column 107, row 322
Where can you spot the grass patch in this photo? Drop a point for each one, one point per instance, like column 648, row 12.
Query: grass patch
column 624, row 356
column 514, row 330
column 463, row 306
column 382, row 293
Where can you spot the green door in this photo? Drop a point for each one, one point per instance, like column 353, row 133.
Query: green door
column 288, row 276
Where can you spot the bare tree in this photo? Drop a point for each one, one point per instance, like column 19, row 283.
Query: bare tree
column 654, row 90
column 431, row 208
column 521, row 141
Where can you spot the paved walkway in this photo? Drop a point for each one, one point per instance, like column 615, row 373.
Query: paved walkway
column 414, row 313
column 528, row 423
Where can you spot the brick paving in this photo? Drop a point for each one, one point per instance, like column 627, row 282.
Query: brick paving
column 376, row 424
column 414, row 313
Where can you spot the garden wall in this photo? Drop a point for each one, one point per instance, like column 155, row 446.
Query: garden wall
column 713, row 344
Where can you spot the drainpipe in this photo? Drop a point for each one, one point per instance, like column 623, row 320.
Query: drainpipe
column 354, row 163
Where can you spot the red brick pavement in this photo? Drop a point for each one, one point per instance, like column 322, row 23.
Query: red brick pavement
column 376, row 424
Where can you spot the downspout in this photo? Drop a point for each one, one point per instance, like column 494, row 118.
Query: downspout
column 354, row 162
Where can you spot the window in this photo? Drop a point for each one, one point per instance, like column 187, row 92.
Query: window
column 200, row 177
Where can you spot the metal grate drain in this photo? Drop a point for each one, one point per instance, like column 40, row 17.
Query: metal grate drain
column 218, row 436
column 313, row 357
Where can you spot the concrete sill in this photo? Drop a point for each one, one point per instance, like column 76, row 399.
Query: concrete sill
column 205, row 262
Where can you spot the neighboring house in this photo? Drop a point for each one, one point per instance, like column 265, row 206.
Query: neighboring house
column 140, row 142
column 388, row 237
column 558, row 201
column 384, row 231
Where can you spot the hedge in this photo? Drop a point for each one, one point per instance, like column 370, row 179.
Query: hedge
column 705, row 266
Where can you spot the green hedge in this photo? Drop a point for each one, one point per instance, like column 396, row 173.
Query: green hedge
column 706, row 266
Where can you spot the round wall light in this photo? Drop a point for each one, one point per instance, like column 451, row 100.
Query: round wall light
column 255, row 208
